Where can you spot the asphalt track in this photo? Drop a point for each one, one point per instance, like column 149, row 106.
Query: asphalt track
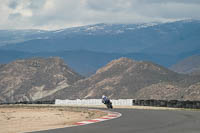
column 142, row 121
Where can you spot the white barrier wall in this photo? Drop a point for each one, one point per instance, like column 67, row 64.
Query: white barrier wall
column 120, row 102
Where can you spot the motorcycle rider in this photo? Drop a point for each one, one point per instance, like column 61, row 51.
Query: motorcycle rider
column 105, row 100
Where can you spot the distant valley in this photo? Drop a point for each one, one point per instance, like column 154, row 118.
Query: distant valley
column 87, row 62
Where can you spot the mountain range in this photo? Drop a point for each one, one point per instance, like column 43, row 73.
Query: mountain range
column 117, row 38
column 50, row 79
column 86, row 49
column 126, row 78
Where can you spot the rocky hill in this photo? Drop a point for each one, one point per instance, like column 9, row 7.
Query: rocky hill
column 126, row 78
column 189, row 65
column 160, row 91
column 193, row 92
column 49, row 79
column 33, row 79
column 167, row 91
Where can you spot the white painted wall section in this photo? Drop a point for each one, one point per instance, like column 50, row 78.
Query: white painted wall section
column 120, row 102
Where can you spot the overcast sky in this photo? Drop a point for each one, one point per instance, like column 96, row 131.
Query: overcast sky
column 56, row 14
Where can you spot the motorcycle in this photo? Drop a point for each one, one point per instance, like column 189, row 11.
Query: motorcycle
column 108, row 104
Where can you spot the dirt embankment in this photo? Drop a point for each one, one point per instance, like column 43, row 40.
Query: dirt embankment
column 18, row 119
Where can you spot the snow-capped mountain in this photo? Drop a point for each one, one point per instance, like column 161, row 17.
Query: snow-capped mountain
column 176, row 37
column 162, row 43
column 103, row 28
column 17, row 36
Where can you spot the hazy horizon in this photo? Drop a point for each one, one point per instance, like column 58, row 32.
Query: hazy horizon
column 101, row 23
column 54, row 14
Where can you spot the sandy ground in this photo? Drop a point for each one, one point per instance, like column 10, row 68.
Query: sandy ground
column 18, row 119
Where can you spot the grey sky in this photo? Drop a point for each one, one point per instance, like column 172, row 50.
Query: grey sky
column 55, row 14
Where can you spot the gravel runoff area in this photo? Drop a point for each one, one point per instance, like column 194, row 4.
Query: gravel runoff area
column 28, row 118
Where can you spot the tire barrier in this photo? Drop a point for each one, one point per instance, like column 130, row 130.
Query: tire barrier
column 29, row 102
column 170, row 103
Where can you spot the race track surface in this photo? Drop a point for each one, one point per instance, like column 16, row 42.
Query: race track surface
column 141, row 121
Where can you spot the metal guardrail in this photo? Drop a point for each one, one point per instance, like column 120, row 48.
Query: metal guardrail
column 168, row 103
